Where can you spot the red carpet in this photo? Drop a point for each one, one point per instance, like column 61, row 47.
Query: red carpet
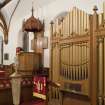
column 35, row 103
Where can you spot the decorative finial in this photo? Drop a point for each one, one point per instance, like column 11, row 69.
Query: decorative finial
column 32, row 8
column 95, row 8
column 23, row 25
column 51, row 22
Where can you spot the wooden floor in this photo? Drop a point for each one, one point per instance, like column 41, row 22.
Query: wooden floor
column 52, row 102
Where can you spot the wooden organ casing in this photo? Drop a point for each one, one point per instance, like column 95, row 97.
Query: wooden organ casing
column 70, row 52
column 77, row 56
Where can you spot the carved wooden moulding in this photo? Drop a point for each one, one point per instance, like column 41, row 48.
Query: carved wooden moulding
column 32, row 24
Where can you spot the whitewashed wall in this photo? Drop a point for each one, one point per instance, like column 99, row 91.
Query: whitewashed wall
column 47, row 12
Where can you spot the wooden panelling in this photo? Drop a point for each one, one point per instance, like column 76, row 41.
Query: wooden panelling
column 29, row 62
column 6, row 92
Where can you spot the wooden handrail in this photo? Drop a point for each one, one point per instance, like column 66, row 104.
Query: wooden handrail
column 54, row 84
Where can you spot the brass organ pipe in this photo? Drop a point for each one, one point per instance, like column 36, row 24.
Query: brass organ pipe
column 66, row 25
column 82, row 24
column 85, row 62
column 83, row 21
column 72, row 23
column 76, row 69
column 86, row 69
column 80, row 21
column 104, row 10
column 64, row 62
column 100, row 19
column 69, row 24
column 82, row 55
column 77, row 21
column 69, row 62
column 83, row 66
column 80, row 64
column 102, row 16
column 104, row 71
column 55, row 28
column 62, row 27
column 66, row 53
column 79, row 61
column 61, row 67
column 74, row 20
column 72, row 63
column 63, row 71
column 75, row 62
column 87, row 21
column 100, row 69
column 62, row 53
column 52, row 29
column 71, row 27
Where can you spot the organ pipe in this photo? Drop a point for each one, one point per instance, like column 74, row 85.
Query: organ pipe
column 100, row 68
